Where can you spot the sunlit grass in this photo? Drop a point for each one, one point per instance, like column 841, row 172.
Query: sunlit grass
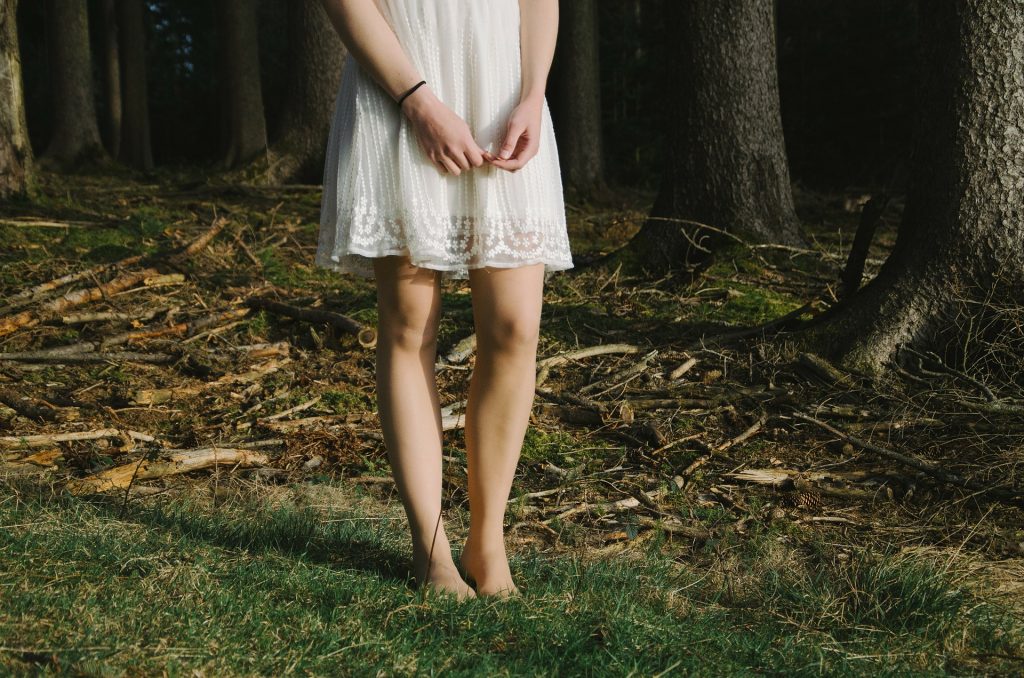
column 251, row 587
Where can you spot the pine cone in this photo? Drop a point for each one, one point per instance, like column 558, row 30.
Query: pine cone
column 805, row 499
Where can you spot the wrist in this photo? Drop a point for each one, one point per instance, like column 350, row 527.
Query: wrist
column 418, row 102
column 533, row 95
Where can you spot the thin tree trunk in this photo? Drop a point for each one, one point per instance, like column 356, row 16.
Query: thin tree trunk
column 111, row 67
column 246, row 129
column 577, row 98
column 76, row 134
column 315, row 56
column 136, row 147
column 961, row 243
column 15, row 150
column 725, row 162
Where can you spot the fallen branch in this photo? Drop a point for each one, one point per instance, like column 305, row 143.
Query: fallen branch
column 367, row 336
column 86, row 357
column 927, row 467
column 461, row 351
column 119, row 284
column 121, row 477
column 186, row 329
column 44, row 439
column 870, row 217
column 77, row 298
column 544, row 366
column 33, row 293
column 157, row 396
column 617, row 378
column 682, row 369
column 34, row 408
column 749, row 432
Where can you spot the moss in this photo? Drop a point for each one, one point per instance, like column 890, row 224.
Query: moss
column 344, row 401
column 548, row 446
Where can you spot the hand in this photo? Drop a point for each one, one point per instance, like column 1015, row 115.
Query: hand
column 442, row 134
column 522, row 138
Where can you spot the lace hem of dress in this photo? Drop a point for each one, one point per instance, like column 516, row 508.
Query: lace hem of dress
column 450, row 244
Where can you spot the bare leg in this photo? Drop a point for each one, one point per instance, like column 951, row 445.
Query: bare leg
column 409, row 304
column 506, row 312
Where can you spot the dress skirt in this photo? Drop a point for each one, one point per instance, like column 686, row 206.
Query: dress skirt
column 382, row 194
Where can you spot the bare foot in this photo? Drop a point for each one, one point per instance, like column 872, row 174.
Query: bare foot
column 488, row 568
column 443, row 577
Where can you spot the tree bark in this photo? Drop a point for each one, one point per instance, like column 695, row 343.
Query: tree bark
column 315, row 58
column 725, row 163
column 15, row 151
column 245, row 124
column 76, row 134
column 111, row 67
column 961, row 242
column 577, row 98
column 136, row 146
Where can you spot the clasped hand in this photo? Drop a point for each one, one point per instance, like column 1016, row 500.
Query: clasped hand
column 447, row 140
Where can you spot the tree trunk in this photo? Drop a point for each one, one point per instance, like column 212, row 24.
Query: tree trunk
column 315, row 58
column 136, row 147
column 76, row 134
column 725, row 163
column 245, row 124
column 111, row 67
column 577, row 98
column 15, row 151
column 961, row 242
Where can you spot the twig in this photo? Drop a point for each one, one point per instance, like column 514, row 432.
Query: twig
column 544, row 366
column 914, row 462
column 367, row 336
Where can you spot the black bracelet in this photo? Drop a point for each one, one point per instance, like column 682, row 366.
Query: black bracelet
column 410, row 91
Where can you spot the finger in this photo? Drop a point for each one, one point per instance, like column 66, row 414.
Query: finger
column 476, row 155
column 511, row 140
column 513, row 165
column 435, row 160
column 460, row 159
column 452, row 167
column 519, row 156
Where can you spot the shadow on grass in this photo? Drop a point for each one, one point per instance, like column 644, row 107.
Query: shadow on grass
column 342, row 539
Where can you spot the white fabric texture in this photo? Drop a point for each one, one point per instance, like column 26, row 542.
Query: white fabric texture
column 382, row 195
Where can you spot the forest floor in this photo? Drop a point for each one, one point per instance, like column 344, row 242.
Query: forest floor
column 192, row 479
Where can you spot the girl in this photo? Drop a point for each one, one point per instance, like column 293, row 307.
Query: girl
column 442, row 164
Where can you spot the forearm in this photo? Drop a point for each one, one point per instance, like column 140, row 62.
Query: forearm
column 370, row 39
column 538, row 33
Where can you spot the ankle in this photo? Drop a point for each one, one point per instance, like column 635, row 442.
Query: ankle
column 486, row 547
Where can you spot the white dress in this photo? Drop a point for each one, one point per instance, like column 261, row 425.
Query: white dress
column 382, row 194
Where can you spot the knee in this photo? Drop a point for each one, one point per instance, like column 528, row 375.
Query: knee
column 511, row 335
column 407, row 333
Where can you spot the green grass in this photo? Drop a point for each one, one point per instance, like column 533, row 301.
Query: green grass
column 252, row 588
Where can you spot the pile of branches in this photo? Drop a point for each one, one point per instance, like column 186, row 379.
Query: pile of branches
column 168, row 335
column 745, row 406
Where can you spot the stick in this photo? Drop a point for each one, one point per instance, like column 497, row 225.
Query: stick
column 115, row 356
column 544, row 366
column 462, row 350
column 163, row 395
column 176, row 463
column 615, row 378
column 870, row 216
column 366, row 336
column 30, row 318
column 41, row 440
column 751, row 430
column 920, row 464
column 32, row 293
